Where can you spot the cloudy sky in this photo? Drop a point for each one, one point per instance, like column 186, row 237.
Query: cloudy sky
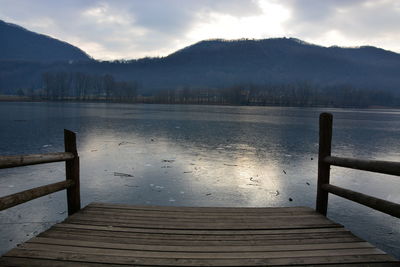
column 130, row 29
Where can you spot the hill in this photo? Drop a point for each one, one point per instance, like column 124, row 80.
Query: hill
column 20, row 44
column 213, row 64
column 286, row 60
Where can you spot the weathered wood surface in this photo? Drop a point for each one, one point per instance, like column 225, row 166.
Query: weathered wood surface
column 380, row 166
column 32, row 159
column 27, row 195
column 107, row 234
column 325, row 142
column 369, row 201
column 72, row 173
column 71, row 184
column 325, row 160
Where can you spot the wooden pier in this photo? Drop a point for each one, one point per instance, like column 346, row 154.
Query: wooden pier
column 103, row 234
column 187, row 236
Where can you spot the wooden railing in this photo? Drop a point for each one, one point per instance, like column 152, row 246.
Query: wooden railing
column 71, row 158
column 325, row 160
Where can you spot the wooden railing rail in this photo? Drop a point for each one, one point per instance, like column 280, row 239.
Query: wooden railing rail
column 385, row 167
column 71, row 158
column 32, row 159
column 325, row 160
column 366, row 200
column 24, row 196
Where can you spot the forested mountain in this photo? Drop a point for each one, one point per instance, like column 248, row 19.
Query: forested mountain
column 281, row 66
column 282, row 61
column 18, row 43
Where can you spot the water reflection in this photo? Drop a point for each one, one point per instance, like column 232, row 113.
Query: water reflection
column 197, row 156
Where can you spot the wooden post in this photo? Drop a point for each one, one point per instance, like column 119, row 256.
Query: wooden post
column 72, row 173
column 325, row 140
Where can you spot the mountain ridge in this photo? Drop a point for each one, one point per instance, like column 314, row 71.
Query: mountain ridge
column 21, row 44
column 219, row 63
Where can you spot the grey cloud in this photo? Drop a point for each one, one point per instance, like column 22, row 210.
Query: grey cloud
column 140, row 25
column 135, row 28
column 356, row 19
column 175, row 16
column 317, row 11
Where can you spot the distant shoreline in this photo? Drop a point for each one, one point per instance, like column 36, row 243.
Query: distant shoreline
column 14, row 98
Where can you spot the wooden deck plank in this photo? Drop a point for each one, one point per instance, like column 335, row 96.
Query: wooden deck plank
column 195, row 242
column 173, row 221
column 200, row 210
column 150, row 214
column 31, row 262
column 198, row 232
column 201, row 213
column 15, row 261
column 196, row 255
column 183, row 248
column 117, row 259
column 254, row 218
column 220, row 226
column 199, row 237
column 271, row 223
column 108, row 235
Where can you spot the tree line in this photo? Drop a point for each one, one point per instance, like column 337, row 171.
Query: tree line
column 62, row 85
column 82, row 86
column 301, row 94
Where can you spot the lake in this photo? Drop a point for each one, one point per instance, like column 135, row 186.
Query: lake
column 187, row 155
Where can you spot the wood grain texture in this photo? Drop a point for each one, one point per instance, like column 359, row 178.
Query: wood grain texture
column 100, row 235
column 33, row 159
column 27, row 195
column 379, row 166
column 382, row 205
column 72, row 173
column 325, row 143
